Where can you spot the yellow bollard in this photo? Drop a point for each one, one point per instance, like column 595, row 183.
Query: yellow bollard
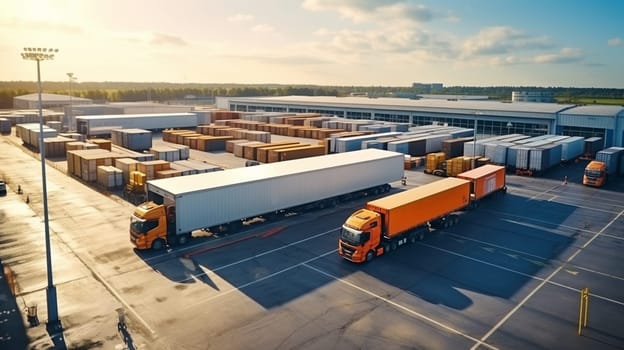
column 583, row 309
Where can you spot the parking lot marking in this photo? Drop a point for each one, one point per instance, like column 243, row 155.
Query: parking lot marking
column 400, row 307
column 519, row 305
column 533, row 255
column 568, row 199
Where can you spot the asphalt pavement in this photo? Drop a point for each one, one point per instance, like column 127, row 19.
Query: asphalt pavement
column 507, row 277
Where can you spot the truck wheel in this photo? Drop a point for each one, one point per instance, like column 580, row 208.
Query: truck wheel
column 158, row 244
column 393, row 246
column 386, row 248
column 421, row 236
column 370, row 255
column 183, row 239
column 412, row 238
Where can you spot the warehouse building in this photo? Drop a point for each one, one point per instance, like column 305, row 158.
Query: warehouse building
column 49, row 101
column 490, row 117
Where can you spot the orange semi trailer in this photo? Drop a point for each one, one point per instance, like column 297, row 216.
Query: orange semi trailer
column 389, row 222
column 484, row 180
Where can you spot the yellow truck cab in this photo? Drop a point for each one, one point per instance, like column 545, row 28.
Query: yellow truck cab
column 595, row 174
column 148, row 225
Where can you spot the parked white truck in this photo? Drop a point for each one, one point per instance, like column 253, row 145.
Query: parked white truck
column 224, row 200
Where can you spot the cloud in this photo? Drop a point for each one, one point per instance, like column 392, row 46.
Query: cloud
column 501, row 40
column 262, row 28
column 372, row 10
column 165, row 39
column 565, row 55
column 240, row 17
column 615, row 42
column 42, row 26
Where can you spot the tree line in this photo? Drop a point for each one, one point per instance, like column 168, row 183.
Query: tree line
column 102, row 92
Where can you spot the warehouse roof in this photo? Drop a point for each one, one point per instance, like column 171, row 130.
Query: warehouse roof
column 458, row 106
column 53, row 98
column 131, row 116
column 596, row 110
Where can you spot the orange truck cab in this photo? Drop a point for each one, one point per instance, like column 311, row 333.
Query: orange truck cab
column 150, row 225
column 595, row 174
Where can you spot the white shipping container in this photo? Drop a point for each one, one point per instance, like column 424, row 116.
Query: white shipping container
column 572, row 147
column 354, row 143
column 611, row 157
column 522, row 157
column 210, row 199
column 104, row 124
column 433, row 143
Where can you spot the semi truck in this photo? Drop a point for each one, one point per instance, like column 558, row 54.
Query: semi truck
column 227, row 200
column 405, row 217
column 595, row 174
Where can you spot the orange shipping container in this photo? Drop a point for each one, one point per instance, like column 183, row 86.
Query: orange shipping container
column 262, row 154
column 251, row 152
column 419, row 205
column 280, row 155
column 485, row 180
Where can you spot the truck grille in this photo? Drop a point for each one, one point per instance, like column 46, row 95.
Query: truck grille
column 346, row 250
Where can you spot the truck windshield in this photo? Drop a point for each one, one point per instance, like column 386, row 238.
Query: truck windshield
column 593, row 173
column 137, row 225
column 350, row 236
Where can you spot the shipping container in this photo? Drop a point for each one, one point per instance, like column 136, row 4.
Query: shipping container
column 571, row 148
column 454, row 147
column 485, row 180
column 592, row 146
column 348, row 144
column 95, row 125
column 132, row 139
column 544, row 157
column 419, row 205
column 611, row 157
column 521, row 157
column 283, row 154
column 5, row 126
column 109, row 177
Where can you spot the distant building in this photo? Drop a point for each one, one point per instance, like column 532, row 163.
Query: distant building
column 428, row 87
column 493, row 117
column 453, row 97
column 532, row 96
column 50, row 101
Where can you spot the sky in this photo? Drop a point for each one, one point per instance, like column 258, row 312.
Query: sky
column 568, row 43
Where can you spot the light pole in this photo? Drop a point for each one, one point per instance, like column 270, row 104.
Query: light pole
column 474, row 141
column 71, row 112
column 38, row 55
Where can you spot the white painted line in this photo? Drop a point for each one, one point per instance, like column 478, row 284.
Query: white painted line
column 517, row 307
column 532, row 255
column 400, row 307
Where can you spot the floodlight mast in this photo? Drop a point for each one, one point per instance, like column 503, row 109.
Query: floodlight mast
column 45, row 54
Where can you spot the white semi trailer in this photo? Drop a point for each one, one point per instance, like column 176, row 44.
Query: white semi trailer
column 225, row 199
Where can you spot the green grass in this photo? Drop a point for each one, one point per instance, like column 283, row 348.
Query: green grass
column 590, row 100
